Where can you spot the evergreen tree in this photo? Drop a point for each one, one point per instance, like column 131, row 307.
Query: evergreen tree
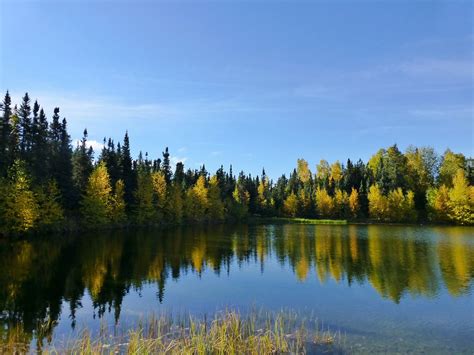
column 40, row 155
column 81, row 165
column 5, row 129
column 144, row 209
column 24, row 114
column 166, row 167
column 118, row 213
column 128, row 174
column 51, row 212
column 175, row 204
column 216, row 207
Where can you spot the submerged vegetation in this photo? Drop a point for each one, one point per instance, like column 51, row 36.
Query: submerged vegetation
column 45, row 184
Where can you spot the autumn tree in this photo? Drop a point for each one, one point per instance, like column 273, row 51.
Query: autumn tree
column 324, row 203
column 450, row 164
column 96, row 202
column 438, row 204
column 354, row 203
column 377, row 203
column 461, row 200
column 290, row 206
column 20, row 210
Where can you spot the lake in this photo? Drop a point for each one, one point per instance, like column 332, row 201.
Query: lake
column 383, row 288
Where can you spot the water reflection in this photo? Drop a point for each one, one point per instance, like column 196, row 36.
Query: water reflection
column 37, row 276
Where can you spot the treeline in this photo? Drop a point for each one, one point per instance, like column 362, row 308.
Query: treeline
column 46, row 184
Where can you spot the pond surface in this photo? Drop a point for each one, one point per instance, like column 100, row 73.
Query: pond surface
column 385, row 288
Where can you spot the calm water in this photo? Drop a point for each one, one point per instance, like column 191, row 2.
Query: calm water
column 385, row 287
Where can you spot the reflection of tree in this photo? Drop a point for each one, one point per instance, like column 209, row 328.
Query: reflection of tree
column 36, row 276
column 456, row 262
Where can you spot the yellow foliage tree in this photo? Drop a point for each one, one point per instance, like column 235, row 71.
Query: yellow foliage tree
column 20, row 211
column 290, row 205
column 354, row 203
column 158, row 180
column 336, row 172
column 341, row 203
column 96, row 203
column 377, row 203
column 438, row 203
column 304, row 174
column 461, row 203
column 324, row 203
column 197, row 202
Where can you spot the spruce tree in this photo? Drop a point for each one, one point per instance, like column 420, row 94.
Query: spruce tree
column 5, row 134
column 166, row 166
column 82, row 165
column 24, row 114
column 126, row 168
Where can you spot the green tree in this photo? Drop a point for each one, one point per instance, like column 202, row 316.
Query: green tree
column 51, row 213
column 145, row 212
column 175, row 203
column 118, row 213
column 5, row 130
column 216, row 207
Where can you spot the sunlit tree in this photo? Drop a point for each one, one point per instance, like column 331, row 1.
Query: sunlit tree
column 96, row 202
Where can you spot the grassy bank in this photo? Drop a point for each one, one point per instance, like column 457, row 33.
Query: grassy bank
column 285, row 220
column 228, row 332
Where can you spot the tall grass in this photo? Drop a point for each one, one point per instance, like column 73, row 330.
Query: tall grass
column 226, row 333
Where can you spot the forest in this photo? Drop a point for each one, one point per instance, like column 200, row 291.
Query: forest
column 46, row 184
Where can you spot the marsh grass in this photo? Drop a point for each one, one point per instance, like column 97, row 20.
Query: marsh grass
column 228, row 332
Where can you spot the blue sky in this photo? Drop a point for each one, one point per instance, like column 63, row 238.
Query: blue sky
column 255, row 84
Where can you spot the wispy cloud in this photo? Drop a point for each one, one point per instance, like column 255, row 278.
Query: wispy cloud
column 175, row 160
column 438, row 67
column 444, row 112
column 90, row 143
